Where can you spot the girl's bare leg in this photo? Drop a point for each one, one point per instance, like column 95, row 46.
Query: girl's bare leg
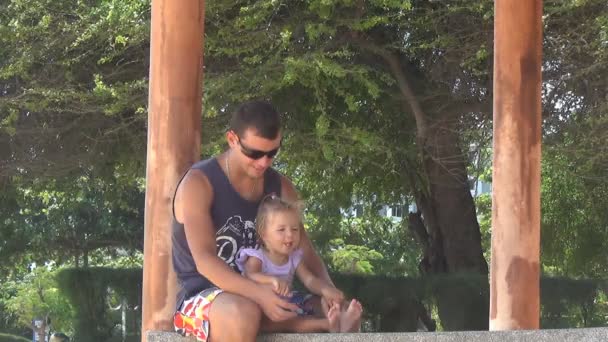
column 296, row 325
column 350, row 319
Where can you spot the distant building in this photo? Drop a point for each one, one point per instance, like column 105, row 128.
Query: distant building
column 398, row 211
column 479, row 159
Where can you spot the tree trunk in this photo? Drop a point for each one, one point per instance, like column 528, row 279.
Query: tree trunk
column 85, row 258
column 453, row 237
column 452, row 219
column 447, row 224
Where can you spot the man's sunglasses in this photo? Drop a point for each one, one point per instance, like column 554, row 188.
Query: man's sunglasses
column 257, row 154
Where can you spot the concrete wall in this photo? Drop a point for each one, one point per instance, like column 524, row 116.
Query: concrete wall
column 573, row 335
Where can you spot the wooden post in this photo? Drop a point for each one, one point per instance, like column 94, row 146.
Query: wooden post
column 176, row 56
column 514, row 273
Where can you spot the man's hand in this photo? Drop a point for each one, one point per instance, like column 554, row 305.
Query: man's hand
column 274, row 307
column 281, row 287
column 332, row 296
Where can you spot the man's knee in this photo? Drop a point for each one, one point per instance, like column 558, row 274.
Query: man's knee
column 232, row 314
column 243, row 309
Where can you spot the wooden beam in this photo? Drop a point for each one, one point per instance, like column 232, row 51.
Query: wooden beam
column 174, row 124
column 514, row 272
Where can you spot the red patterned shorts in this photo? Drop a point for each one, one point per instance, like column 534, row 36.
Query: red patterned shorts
column 192, row 319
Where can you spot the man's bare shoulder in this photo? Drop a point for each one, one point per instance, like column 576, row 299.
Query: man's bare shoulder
column 194, row 191
column 288, row 190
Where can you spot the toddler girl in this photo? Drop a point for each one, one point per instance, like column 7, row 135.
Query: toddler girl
column 278, row 259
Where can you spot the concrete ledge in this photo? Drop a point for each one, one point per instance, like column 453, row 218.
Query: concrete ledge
column 574, row 335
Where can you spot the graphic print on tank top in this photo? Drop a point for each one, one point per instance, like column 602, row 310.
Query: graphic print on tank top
column 234, row 235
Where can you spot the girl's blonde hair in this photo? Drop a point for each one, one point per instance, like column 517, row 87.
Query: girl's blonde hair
column 272, row 204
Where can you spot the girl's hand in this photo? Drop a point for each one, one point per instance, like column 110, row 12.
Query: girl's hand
column 281, row 287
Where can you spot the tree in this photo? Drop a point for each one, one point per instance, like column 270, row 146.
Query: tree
column 355, row 77
column 37, row 296
column 68, row 220
column 574, row 191
column 72, row 86
column 575, row 117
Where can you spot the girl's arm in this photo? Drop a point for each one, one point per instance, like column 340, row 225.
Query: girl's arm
column 311, row 257
column 317, row 286
column 253, row 271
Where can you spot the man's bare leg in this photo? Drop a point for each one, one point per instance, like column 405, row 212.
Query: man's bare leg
column 233, row 318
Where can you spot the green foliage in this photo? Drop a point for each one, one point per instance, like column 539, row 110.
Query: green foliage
column 483, row 203
column 37, row 295
column 462, row 301
column 92, row 291
column 353, row 259
column 564, row 302
column 390, row 301
column 574, row 192
column 72, row 78
column 371, row 244
column 573, row 303
column 8, row 320
column 12, row 338
column 456, row 297
column 71, row 219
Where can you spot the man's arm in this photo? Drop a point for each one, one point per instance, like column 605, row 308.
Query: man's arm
column 313, row 283
column 312, row 260
column 318, row 286
column 193, row 209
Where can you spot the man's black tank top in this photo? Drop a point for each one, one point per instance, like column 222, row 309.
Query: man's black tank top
column 233, row 219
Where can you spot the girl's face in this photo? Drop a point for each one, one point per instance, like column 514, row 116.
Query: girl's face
column 281, row 234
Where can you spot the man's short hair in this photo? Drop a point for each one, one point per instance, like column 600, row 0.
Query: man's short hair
column 259, row 115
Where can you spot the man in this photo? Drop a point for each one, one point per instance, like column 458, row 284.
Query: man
column 214, row 212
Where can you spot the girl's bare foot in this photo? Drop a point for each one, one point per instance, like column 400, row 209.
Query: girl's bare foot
column 333, row 317
column 350, row 319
